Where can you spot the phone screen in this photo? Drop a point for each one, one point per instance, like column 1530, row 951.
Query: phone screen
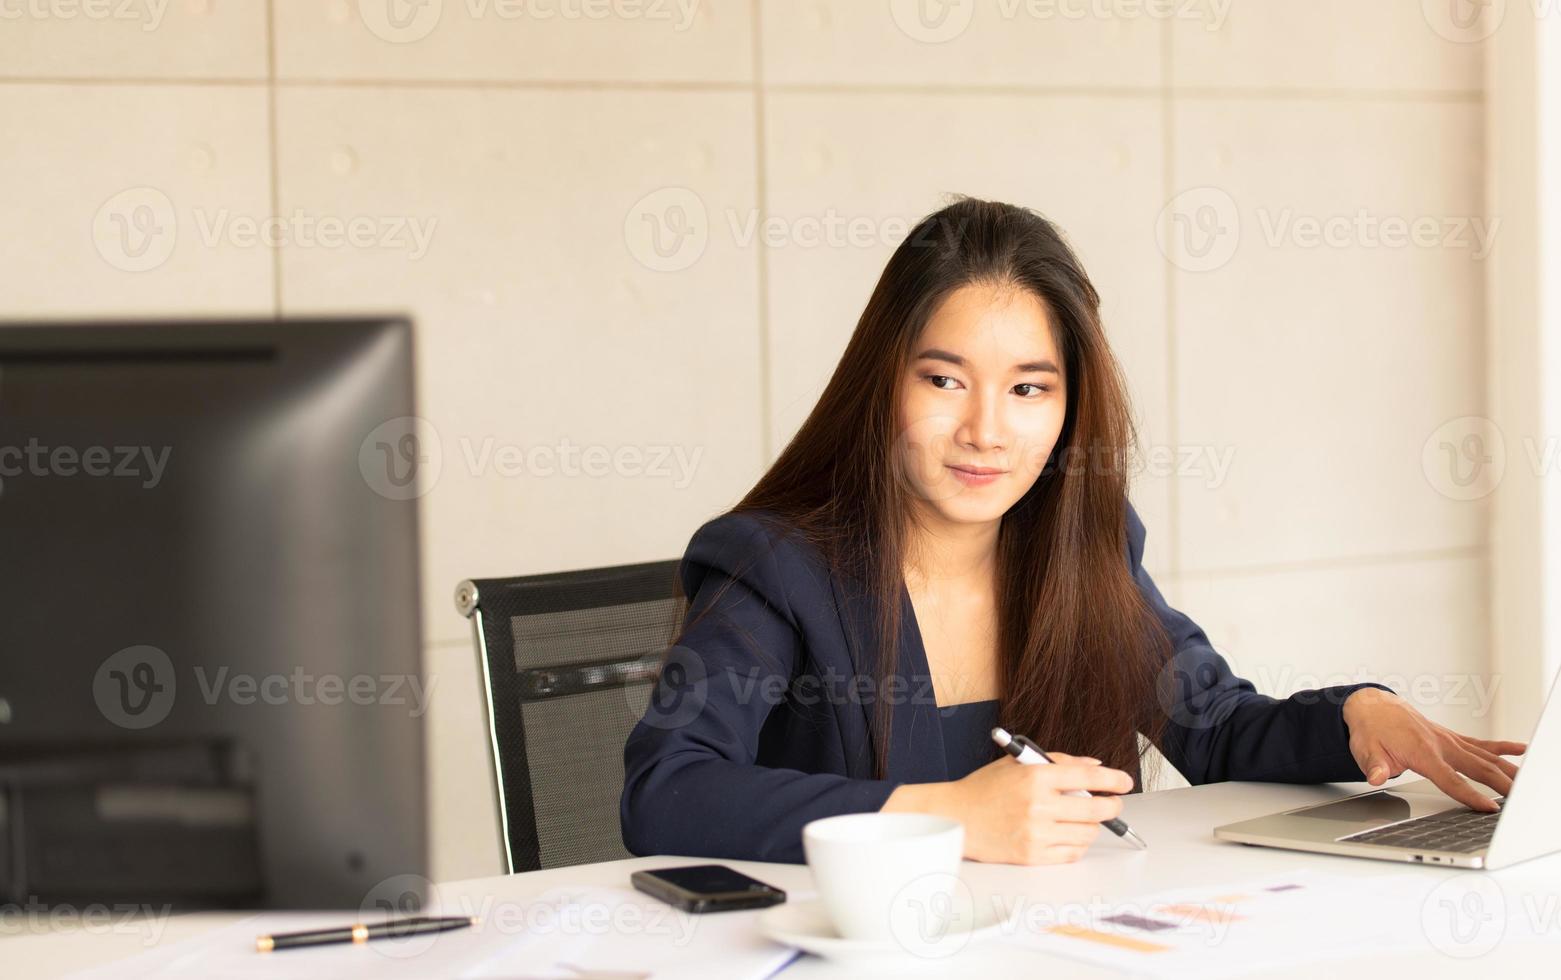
column 707, row 879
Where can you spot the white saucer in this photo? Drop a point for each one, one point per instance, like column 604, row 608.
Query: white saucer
column 806, row 925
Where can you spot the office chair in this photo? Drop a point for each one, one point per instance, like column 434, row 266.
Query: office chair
column 567, row 661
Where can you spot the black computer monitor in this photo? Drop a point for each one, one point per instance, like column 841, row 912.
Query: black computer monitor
column 210, row 674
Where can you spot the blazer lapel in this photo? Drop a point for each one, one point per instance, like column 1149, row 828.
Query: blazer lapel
column 916, row 735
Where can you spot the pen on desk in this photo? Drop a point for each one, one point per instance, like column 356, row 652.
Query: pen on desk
column 360, row 933
column 1030, row 754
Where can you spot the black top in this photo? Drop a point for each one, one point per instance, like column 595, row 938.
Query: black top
column 967, row 736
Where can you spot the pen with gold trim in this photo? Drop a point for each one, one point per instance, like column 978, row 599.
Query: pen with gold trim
column 360, row 933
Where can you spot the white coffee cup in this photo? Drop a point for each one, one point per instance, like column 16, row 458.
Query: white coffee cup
column 877, row 873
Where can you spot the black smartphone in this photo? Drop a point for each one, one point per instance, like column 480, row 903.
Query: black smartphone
column 707, row 888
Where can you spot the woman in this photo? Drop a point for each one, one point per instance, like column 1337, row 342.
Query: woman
column 961, row 486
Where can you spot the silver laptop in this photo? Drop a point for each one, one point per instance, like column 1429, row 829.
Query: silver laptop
column 1417, row 822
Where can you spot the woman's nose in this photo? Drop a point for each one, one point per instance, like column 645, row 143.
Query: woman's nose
column 983, row 426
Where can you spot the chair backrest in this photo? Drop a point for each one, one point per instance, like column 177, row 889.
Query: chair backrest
column 567, row 661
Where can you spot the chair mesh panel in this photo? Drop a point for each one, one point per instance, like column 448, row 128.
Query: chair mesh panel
column 561, row 754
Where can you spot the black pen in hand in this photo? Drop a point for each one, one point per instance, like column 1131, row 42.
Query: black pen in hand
column 1030, row 754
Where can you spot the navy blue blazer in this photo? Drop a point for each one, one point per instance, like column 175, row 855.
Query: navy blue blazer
column 753, row 728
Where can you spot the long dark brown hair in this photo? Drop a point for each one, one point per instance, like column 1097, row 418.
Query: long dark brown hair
column 1079, row 648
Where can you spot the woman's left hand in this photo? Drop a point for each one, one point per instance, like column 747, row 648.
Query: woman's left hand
column 1388, row 736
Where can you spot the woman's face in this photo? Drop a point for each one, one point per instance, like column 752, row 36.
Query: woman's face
column 984, row 391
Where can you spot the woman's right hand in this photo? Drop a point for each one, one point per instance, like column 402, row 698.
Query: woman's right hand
column 1018, row 814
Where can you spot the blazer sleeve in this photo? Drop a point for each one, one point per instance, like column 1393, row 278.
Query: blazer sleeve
column 691, row 783
column 1219, row 728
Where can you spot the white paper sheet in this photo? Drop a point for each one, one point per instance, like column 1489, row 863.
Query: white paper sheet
column 1278, row 920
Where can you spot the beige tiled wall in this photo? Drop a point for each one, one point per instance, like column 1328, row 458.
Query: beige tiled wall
column 568, row 207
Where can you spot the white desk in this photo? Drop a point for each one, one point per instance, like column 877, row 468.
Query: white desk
column 1176, row 823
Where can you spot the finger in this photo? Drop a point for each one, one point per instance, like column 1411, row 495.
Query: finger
column 1459, row 788
column 1509, row 768
column 1099, row 779
column 1092, row 810
column 1484, row 770
column 1062, row 854
column 1076, row 834
column 1498, row 747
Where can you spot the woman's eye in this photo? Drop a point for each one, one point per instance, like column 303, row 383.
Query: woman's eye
column 935, row 378
column 1039, row 388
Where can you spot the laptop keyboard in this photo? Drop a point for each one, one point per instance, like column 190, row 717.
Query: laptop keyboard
column 1461, row 831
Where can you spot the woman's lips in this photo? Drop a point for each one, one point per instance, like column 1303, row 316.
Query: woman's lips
column 977, row 478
